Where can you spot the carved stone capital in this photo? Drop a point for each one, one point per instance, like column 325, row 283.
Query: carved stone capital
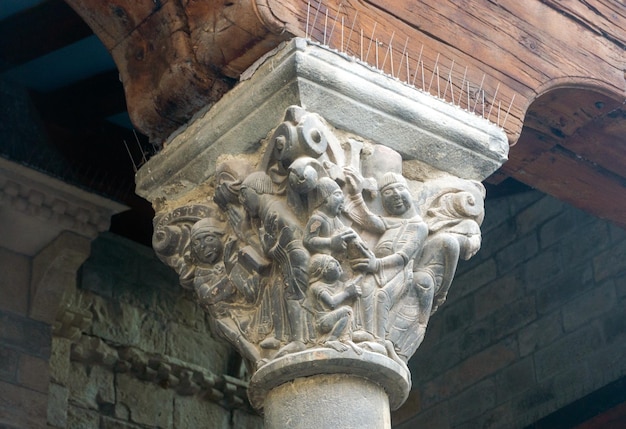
column 320, row 243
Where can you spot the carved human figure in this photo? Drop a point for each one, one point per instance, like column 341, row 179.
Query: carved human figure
column 402, row 236
column 325, row 232
column 326, row 293
column 281, row 239
column 215, row 254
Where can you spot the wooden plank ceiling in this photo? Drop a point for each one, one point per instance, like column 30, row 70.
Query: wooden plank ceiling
column 561, row 63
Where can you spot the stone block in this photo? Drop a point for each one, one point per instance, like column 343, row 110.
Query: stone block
column 78, row 417
column 90, row 386
column 476, row 337
column 588, row 306
column 158, row 275
column 196, row 347
column 474, row 279
column 614, row 324
column 498, row 294
column 523, row 249
column 148, row 403
column 568, row 221
column 515, row 379
column 520, row 201
column 497, row 211
column 14, row 283
column 34, row 373
column 57, row 405
column 24, row 334
column 9, row 361
column 542, row 269
column 471, row 371
column 95, row 279
column 245, row 420
column 517, row 314
column 498, row 238
column 610, row 262
column 564, row 288
column 566, row 351
column 111, row 423
column 21, row 407
column 537, row 214
column 434, row 417
column 473, row 402
column 430, row 363
column 116, row 255
column 60, row 360
column 458, row 314
column 582, row 245
column 193, row 412
column 540, row 333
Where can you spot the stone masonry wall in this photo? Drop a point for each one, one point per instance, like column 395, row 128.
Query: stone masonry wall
column 145, row 357
column 535, row 321
column 24, row 349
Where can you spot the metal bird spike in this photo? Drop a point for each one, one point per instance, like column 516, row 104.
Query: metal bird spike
column 417, row 65
column 332, row 30
column 319, row 5
column 367, row 54
column 130, row 156
column 350, row 34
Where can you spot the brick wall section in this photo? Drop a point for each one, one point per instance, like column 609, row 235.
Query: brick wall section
column 535, row 321
column 24, row 349
column 135, row 302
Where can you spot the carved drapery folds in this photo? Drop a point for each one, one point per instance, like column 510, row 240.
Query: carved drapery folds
column 320, row 243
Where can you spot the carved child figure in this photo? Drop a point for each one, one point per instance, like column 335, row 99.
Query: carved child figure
column 324, row 298
column 324, row 232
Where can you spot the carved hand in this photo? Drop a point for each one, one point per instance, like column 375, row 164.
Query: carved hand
column 354, row 181
column 369, row 265
column 353, row 289
column 338, row 242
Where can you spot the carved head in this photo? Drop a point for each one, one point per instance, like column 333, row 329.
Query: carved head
column 206, row 240
column 395, row 194
column 257, row 183
column 328, row 196
column 324, row 267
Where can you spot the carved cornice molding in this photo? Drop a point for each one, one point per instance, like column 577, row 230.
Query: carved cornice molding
column 37, row 207
column 184, row 378
column 350, row 95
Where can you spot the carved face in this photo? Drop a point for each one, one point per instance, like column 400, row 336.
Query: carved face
column 396, row 199
column 334, row 202
column 332, row 272
column 207, row 247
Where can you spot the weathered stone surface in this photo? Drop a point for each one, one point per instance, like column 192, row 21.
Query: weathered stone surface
column 14, row 282
column 57, row 405
column 148, row 405
column 193, row 412
column 91, row 386
column 352, row 403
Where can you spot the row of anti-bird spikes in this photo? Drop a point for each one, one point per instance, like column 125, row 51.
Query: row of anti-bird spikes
column 431, row 80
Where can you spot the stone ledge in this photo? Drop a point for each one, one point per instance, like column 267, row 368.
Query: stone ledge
column 350, row 95
column 37, row 207
column 185, row 378
column 393, row 377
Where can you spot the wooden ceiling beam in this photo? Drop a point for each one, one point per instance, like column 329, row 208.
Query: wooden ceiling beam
column 582, row 184
column 37, row 31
